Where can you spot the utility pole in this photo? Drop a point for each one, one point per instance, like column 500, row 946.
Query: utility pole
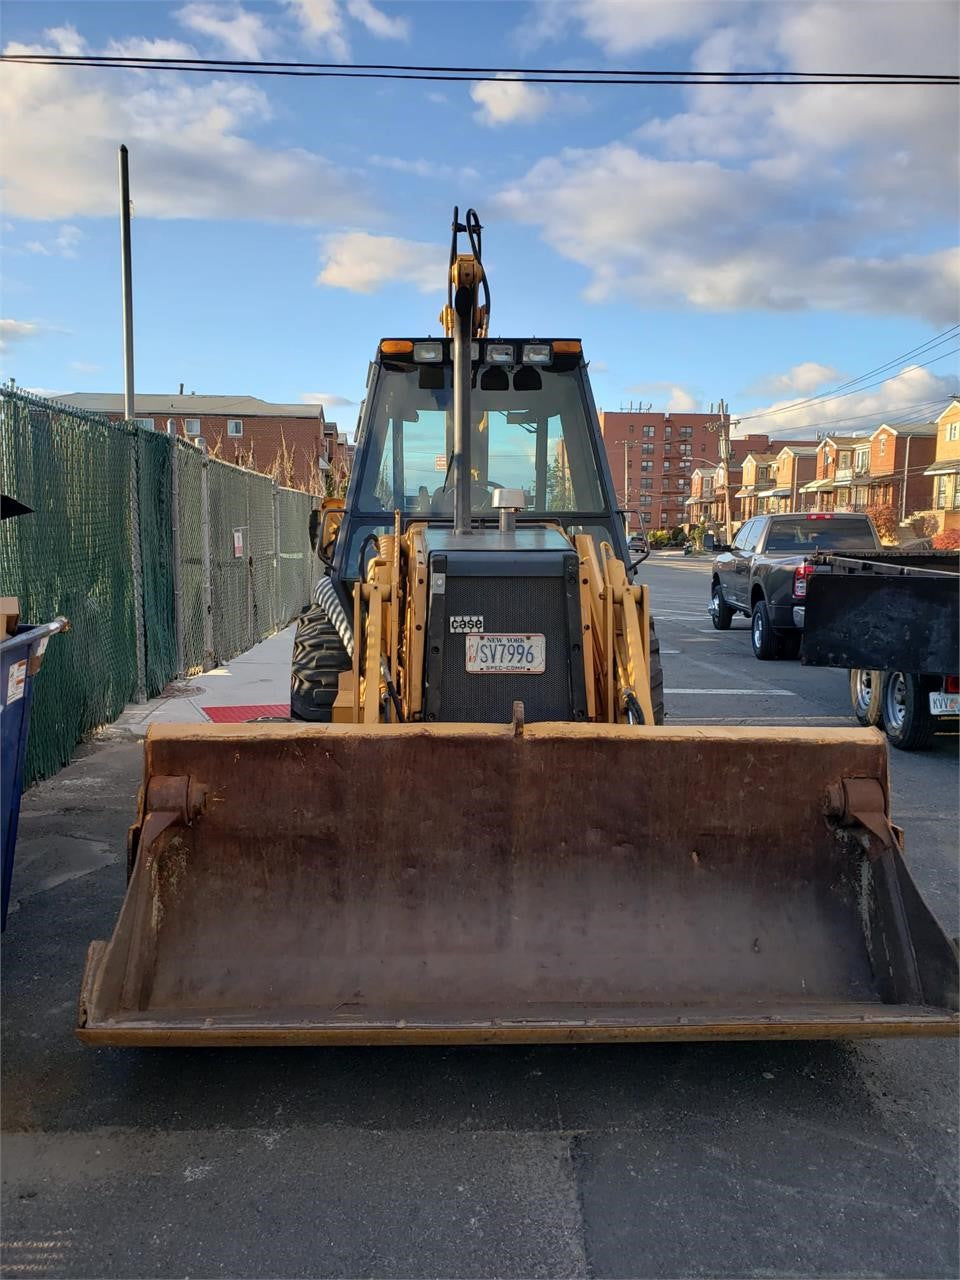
column 722, row 427
column 126, row 278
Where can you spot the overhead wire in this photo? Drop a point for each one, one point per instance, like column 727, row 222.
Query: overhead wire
column 534, row 75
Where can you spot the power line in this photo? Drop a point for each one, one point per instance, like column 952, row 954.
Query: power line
column 829, row 423
column 835, row 394
column 390, row 71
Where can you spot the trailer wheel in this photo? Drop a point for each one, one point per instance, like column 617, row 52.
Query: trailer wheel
column 907, row 721
column 762, row 635
column 318, row 659
column 866, row 689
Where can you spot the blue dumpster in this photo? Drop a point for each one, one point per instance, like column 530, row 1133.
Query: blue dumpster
column 20, row 657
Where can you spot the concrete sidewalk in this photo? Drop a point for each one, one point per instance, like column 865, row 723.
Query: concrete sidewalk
column 259, row 677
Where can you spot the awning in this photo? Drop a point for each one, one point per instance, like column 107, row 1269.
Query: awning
column 950, row 468
column 818, row 486
column 774, row 493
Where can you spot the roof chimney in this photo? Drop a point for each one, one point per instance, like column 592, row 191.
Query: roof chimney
column 180, row 392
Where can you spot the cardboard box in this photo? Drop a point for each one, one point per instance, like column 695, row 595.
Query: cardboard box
column 9, row 615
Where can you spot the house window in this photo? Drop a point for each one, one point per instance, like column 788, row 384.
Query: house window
column 668, row 448
column 685, row 464
column 645, row 517
column 686, row 450
column 843, row 460
column 862, row 462
column 883, row 446
column 647, row 448
column 686, row 433
column 631, row 428
column 667, row 432
column 953, row 430
column 646, row 466
column 681, row 483
column 646, row 482
column 144, row 422
column 940, row 501
column 645, row 499
column 956, row 492
column 666, row 464
column 648, row 432
column 191, row 426
column 234, row 426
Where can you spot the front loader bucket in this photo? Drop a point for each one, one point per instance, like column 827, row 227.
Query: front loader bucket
column 331, row 884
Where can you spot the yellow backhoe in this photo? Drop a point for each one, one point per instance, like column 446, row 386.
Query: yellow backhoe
column 475, row 826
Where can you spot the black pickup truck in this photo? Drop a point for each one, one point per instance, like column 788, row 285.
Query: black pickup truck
column 763, row 574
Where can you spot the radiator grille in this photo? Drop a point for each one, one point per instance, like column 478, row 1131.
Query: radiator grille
column 514, row 604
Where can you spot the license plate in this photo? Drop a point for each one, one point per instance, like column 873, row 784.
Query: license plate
column 945, row 704
column 494, row 655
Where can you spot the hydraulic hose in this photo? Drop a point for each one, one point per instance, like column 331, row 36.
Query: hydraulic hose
column 326, row 595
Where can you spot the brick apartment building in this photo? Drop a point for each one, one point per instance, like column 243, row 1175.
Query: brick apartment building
column 652, row 457
column 886, row 467
column 239, row 429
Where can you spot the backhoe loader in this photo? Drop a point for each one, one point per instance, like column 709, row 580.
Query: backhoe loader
column 475, row 826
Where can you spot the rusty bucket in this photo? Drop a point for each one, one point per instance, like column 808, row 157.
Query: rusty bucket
column 332, row 884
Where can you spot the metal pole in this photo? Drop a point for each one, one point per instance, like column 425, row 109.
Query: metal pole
column 207, row 568
column 725, row 457
column 462, row 337
column 177, row 554
column 626, row 489
column 906, row 471
column 126, row 279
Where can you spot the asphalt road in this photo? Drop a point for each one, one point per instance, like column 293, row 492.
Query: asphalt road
column 794, row 1159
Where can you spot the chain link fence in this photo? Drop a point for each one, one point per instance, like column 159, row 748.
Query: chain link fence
column 166, row 562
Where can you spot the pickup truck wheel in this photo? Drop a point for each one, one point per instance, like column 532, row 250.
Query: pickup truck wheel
column 720, row 611
column 762, row 635
column 789, row 643
column 866, row 688
column 905, row 709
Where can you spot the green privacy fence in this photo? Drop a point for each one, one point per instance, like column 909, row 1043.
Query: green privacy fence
column 166, row 562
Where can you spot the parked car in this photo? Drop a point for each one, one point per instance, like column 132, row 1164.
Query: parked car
column 763, row 573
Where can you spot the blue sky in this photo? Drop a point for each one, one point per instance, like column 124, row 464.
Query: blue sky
column 758, row 244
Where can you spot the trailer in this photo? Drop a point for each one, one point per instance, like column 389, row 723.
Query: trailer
column 893, row 620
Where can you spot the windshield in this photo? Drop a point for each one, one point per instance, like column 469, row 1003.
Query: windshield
column 851, row 534
column 529, row 432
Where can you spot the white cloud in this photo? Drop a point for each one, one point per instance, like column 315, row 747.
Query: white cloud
column 63, row 244
column 508, row 102
column 323, row 23
column 83, row 366
column 721, row 238
column 421, row 168
column 802, row 378
column 625, row 26
column 914, row 394
column 377, row 22
column 667, row 395
column 328, row 400
column 189, row 153
column 241, row 32
column 365, row 263
column 16, row 331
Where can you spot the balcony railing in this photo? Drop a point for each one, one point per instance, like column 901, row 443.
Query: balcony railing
column 844, row 474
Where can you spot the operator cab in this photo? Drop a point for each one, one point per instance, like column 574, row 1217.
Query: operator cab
column 533, row 428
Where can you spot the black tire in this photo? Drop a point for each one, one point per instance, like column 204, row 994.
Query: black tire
column 656, row 677
column 788, row 644
column 866, row 691
column 318, row 659
column 720, row 611
column 762, row 635
column 905, row 709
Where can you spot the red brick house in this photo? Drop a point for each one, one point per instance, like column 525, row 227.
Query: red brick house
column 240, row 429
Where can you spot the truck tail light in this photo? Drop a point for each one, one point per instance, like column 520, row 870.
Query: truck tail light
column 951, row 684
column 800, row 576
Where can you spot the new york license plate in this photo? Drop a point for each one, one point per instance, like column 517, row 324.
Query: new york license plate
column 493, row 655
column 945, row 704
